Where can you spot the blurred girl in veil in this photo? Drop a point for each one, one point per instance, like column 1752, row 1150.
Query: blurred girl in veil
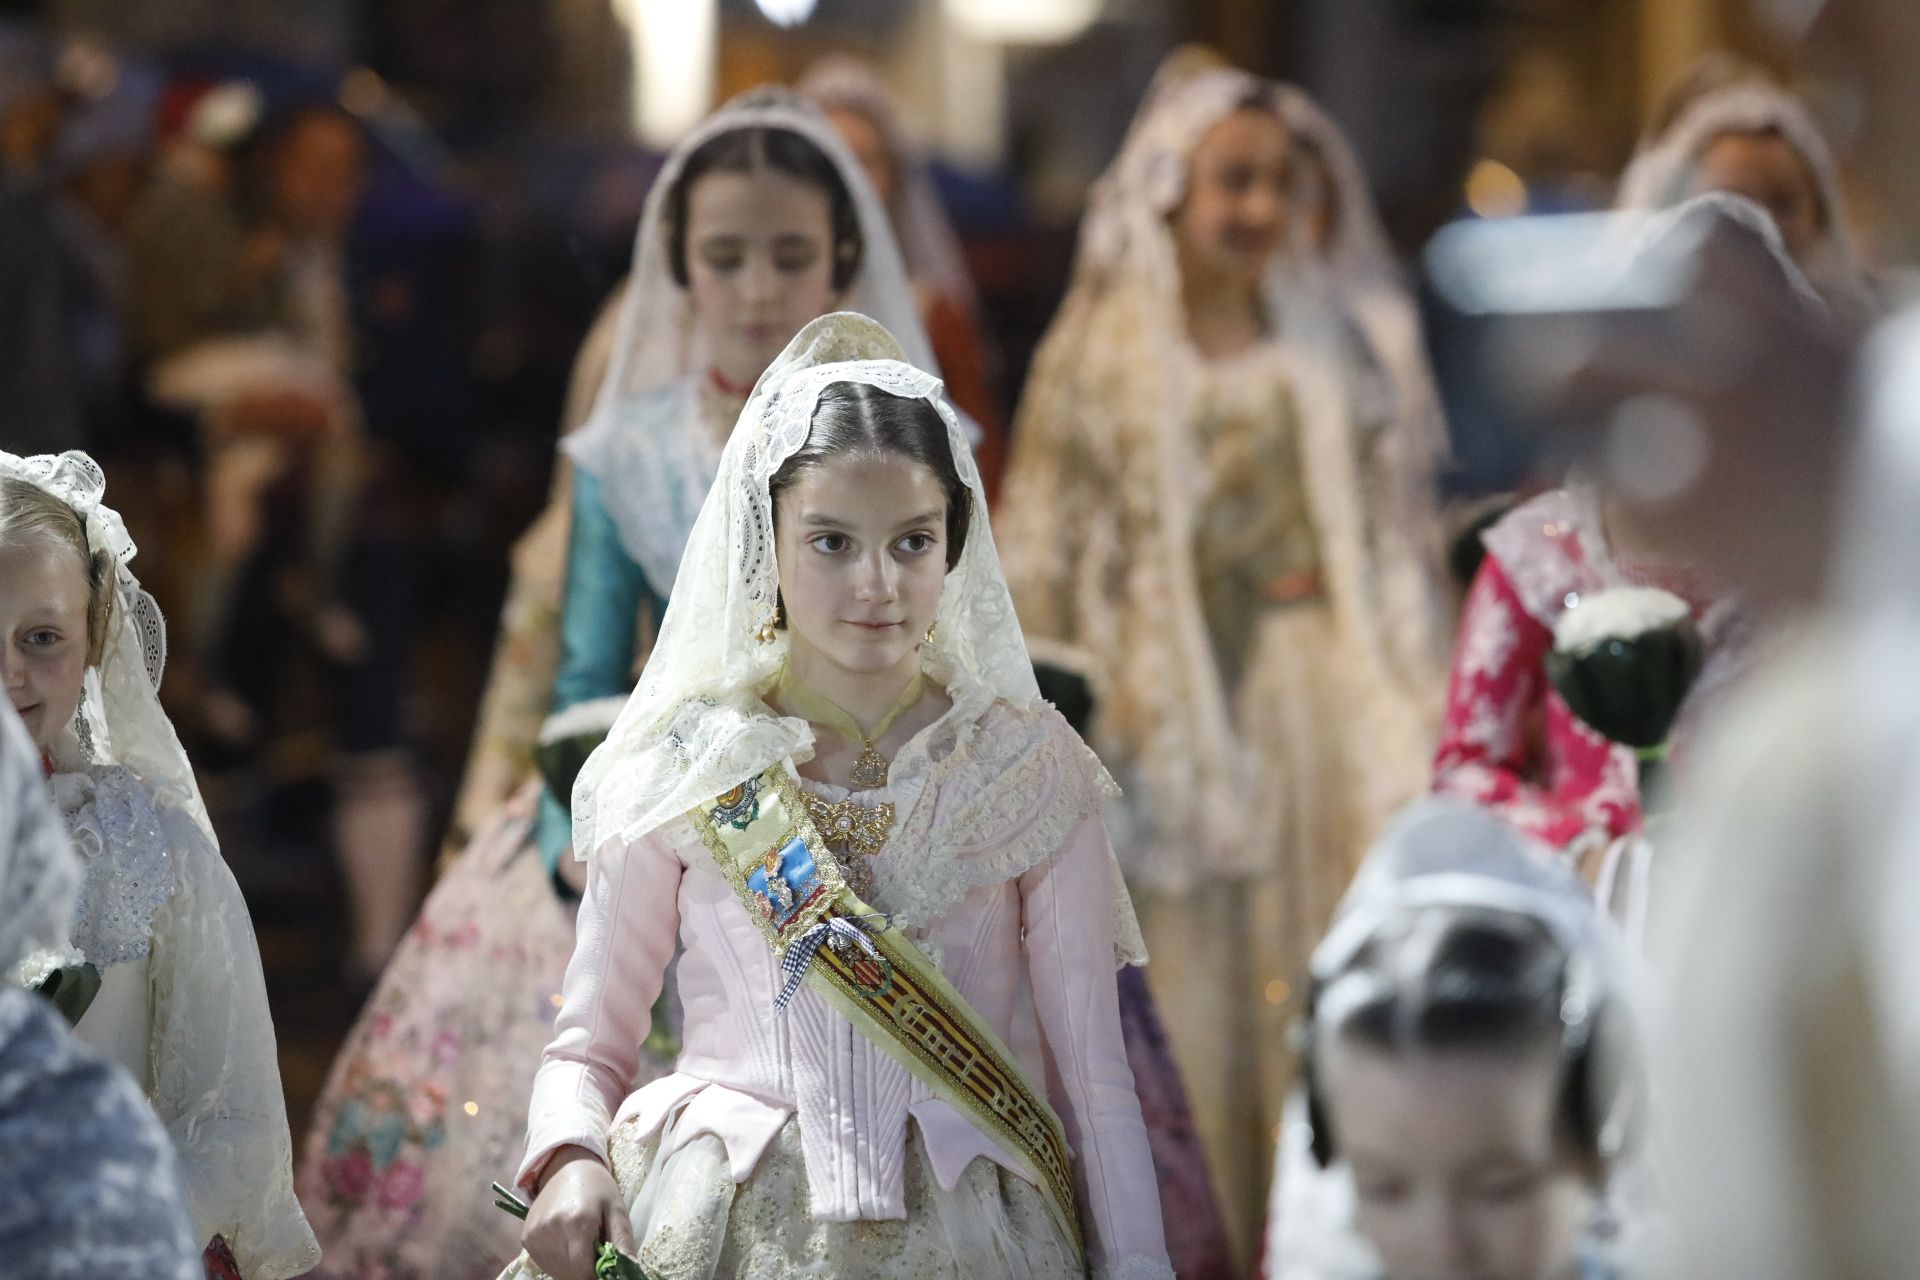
column 1204, row 517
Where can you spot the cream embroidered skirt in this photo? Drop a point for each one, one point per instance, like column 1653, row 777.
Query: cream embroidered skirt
column 695, row 1223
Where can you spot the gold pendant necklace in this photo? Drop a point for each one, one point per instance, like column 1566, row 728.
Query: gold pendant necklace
column 857, row 829
column 869, row 767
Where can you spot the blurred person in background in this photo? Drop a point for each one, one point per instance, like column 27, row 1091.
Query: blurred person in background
column 241, row 305
column 865, row 113
column 44, row 394
column 1468, row 1086
column 1190, row 534
column 1788, row 1072
column 100, row 164
column 1510, row 741
column 1752, row 138
column 1783, row 1047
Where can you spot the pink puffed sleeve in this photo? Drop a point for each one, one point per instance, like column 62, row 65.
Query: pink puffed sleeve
column 1067, row 911
column 629, row 921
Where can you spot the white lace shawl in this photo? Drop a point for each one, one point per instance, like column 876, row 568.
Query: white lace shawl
column 645, row 439
column 214, row 1080
column 1010, row 786
column 212, row 1073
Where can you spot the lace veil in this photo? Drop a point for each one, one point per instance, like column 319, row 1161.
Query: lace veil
column 1363, row 271
column 120, row 719
column 655, row 341
column 695, row 725
column 1662, row 176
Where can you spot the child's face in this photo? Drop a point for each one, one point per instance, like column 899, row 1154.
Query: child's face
column 1234, row 216
column 862, row 546
column 1457, row 1162
column 43, row 635
column 759, row 264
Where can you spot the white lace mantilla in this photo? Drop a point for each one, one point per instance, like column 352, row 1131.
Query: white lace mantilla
column 129, row 872
column 655, row 458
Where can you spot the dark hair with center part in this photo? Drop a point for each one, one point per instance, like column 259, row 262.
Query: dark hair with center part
column 857, row 418
column 757, row 148
column 1463, row 979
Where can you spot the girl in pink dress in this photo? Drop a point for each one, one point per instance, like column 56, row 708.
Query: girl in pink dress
column 838, row 790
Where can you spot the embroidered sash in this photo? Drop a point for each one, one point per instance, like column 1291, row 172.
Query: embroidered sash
column 792, row 884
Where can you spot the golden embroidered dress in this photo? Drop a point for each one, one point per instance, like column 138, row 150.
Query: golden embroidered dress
column 1223, row 550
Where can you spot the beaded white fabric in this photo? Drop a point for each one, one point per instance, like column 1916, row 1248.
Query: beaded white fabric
column 117, row 833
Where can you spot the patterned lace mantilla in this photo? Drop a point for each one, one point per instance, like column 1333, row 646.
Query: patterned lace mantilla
column 130, row 873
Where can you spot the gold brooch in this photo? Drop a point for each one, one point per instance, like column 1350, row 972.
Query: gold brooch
column 858, row 828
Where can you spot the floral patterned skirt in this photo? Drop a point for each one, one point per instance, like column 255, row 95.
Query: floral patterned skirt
column 427, row 1102
column 694, row 1222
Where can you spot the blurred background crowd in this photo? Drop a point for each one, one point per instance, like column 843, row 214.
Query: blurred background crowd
column 309, row 278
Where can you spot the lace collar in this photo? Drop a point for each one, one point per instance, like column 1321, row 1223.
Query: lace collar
column 982, row 795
